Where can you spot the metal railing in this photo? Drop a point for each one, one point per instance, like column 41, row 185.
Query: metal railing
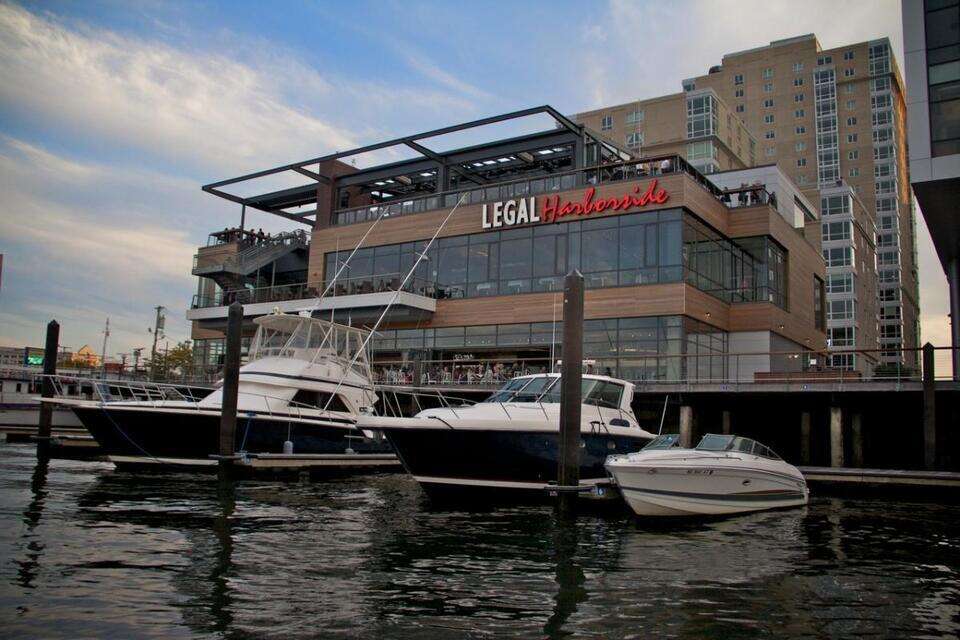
column 276, row 293
column 651, row 167
column 253, row 248
column 801, row 368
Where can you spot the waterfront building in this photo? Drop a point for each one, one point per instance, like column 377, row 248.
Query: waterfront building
column 679, row 273
column 931, row 42
column 829, row 118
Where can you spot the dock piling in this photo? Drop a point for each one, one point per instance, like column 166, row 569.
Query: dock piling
column 568, row 471
column 725, row 424
column 856, row 440
column 686, row 426
column 805, row 437
column 231, row 383
column 929, row 409
column 45, row 424
column 836, row 437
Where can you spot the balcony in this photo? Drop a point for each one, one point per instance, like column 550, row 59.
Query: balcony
column 579, row 178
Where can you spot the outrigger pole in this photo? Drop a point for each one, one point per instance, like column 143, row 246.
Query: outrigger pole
column 396, row 294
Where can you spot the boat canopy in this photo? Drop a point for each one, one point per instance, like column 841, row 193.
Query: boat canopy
column 281, row 335
column 715, row 442
column 546, row 388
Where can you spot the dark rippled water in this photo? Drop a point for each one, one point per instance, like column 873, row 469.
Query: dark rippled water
column 86, row 551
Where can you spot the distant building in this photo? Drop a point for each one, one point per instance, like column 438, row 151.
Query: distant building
column 21, row 357
column 86, row 357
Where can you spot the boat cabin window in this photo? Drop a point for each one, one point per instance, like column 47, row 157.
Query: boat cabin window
column 604, row 394
column 307, row 398
column 533, row 391
column 598, row 392
column 714, row 442
column 507, row 391
column 665, row 441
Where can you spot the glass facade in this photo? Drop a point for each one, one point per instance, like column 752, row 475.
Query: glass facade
column 651, row 348
column 635, row 249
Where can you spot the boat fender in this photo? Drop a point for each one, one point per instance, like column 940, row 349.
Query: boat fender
column 287, row 447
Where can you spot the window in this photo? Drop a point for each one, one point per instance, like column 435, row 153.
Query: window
column 847, row 73
column 701, row 116
column 840, row 283
column 606, row 123
column 822, row 60
column 819, row 309
column 849, row 88
column 851, row 138
column 738, row 92
column 848, row 55
column 853, row 155
column 738, row 79
column 701, row 150
column 800, row 146
column 854, row 172
column 635, row 116
column 841, row 337
column 797, row 67
column 851, row 104
column 768, row 87
column 768, row 118
column 838, row 256
column 768, row 103
column 798, row 97
column 635, row 139
column 837, row 230
column 767, row 73
column 739, row 108
column 319, row 399
column 799, row 113
column 881, row 118
column 798, row 82
column 689, row 85
column 770, row 152
column 840, row 310
column 769, row 135
column 801, row 162
column 800, row 130
column 851, row 121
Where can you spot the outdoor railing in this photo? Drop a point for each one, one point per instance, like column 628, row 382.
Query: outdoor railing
column 577, row 178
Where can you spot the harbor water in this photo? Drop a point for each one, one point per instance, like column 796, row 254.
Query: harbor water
column 87, row 551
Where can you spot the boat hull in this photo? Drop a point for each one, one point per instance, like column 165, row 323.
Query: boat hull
column 705, row 490
column 498, row 464
column 188, row 438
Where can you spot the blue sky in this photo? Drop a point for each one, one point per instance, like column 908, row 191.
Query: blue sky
column 112, row 114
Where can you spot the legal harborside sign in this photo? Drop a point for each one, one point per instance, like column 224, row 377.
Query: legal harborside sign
column 509, row 213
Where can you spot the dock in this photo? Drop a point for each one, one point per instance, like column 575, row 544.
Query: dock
column 847, row 477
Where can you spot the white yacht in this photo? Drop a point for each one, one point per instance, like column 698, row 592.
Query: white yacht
column 306, row 382
column 724, row 474
column 507, row 445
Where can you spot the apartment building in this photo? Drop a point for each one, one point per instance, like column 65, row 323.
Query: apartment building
column 697, row 124
column 837, row 117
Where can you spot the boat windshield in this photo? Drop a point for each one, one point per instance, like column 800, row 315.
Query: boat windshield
column 714, row 442
column 603, row 393
column 665, row 441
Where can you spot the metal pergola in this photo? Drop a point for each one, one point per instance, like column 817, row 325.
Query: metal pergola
column 445, row 164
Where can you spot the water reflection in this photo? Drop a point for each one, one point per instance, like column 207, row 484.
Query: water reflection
column 180, row 556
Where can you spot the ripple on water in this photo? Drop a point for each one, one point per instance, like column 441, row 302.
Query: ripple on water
column 88, row 551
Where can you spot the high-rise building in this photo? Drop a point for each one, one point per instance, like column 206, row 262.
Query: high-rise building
column 931, row 43
column 836, row 117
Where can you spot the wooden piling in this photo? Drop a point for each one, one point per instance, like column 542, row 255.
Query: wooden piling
column 231, row 383
column 929, row 409
column 836, row 437
column 725, row 423
column 856, row 440
column 686, row 426
column 805, row 437
column 568, row 469
column 45, row 425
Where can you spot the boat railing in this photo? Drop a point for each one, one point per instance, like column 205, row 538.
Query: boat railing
column 164, row 396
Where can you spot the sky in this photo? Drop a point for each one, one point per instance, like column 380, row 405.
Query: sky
column 114, row 113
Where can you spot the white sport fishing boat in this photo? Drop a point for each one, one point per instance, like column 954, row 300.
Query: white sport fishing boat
column 306, row 382
column 722, row 475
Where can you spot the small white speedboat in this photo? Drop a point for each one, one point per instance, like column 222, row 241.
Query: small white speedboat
column 722, row 475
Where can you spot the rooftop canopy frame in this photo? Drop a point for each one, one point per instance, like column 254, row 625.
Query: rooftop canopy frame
column 278, row 202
